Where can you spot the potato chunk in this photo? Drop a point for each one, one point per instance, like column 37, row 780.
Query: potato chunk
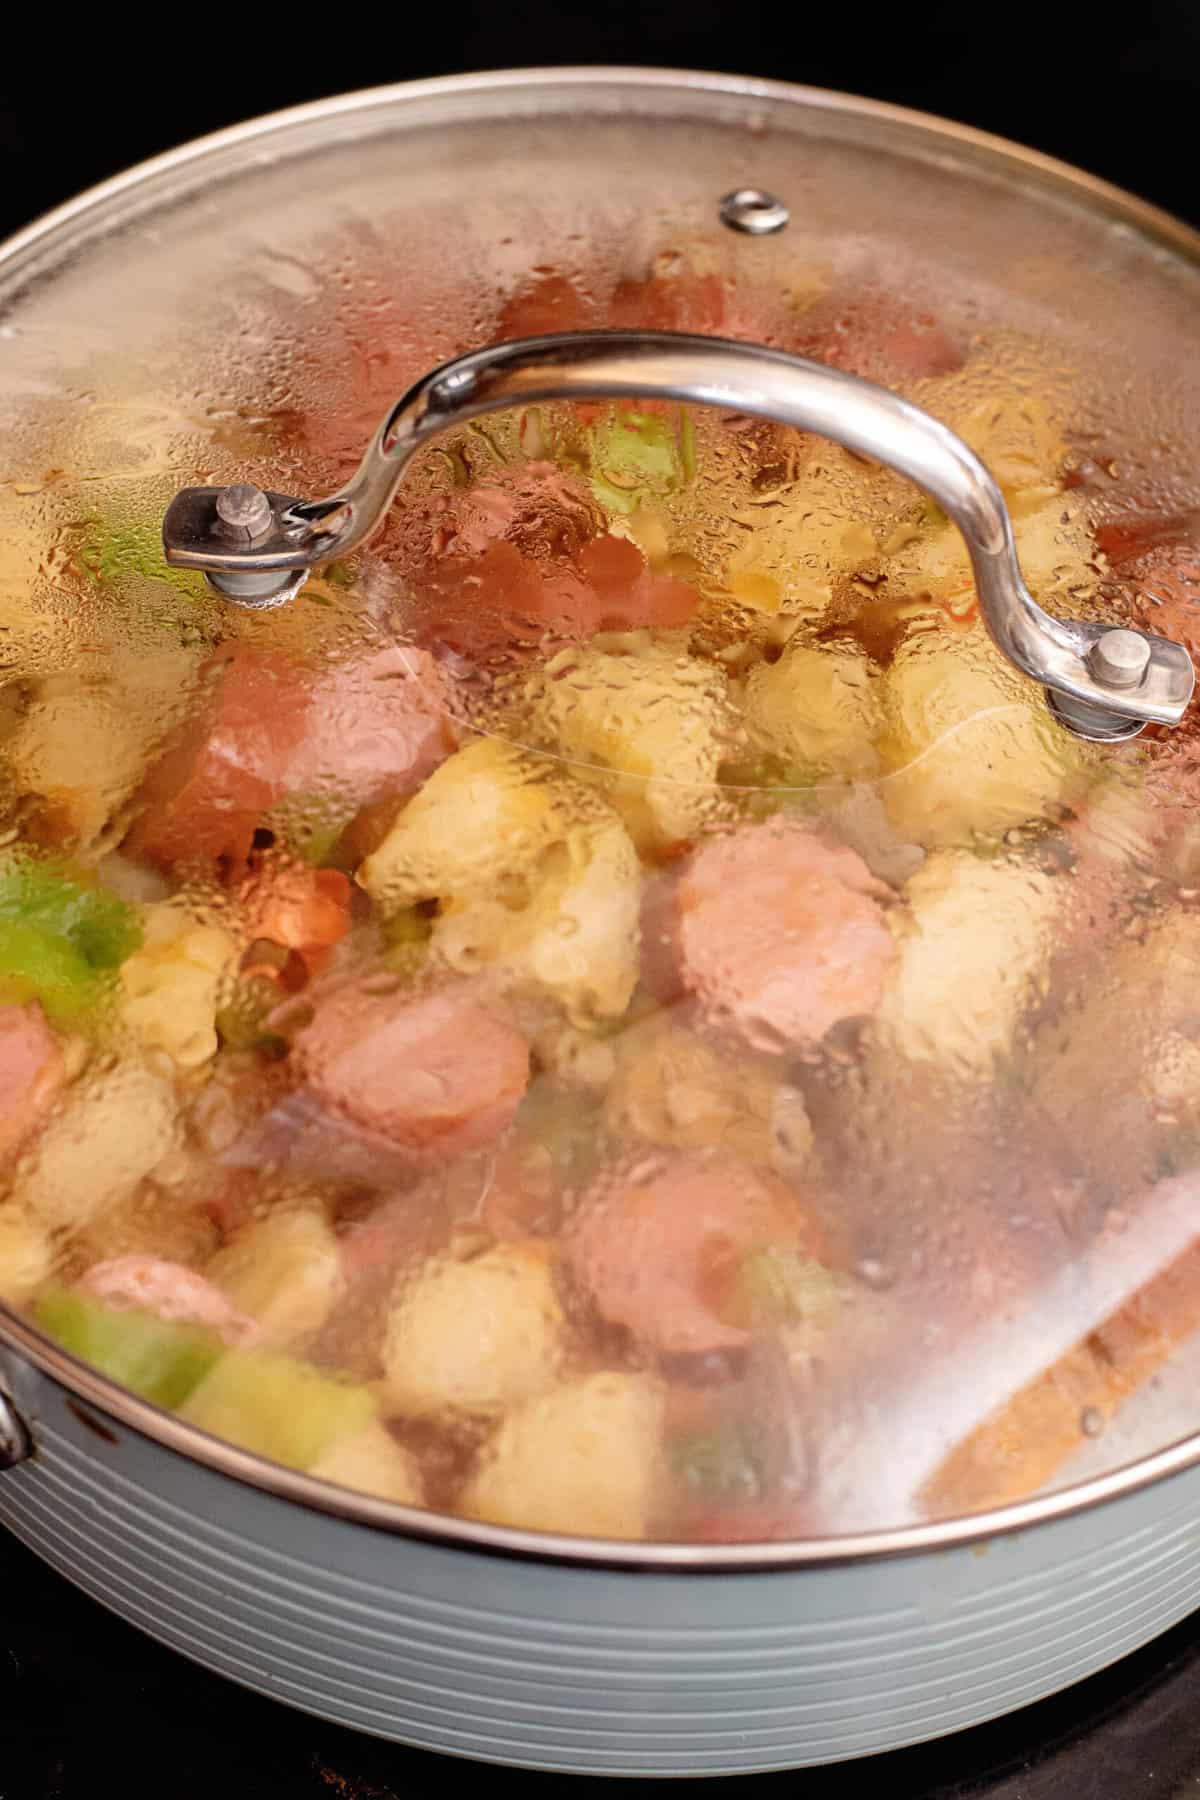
column 171, row 985
column 672, row 1087
column 112, row 1131
column 647, row 724
column 584, row 1458
column 284, row 1271
column 816, row 710
column 974, row 950
column 374, row 1463
column 970, row 749
column 534, row 879
column 473, row 1337
column 26, row 1255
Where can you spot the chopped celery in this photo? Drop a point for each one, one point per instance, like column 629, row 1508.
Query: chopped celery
column 111, row 550
column 636, row 457
column 159, row 1359
column 277, row 1407
column 242, row 1022
column 59, row 938
column 715, row 1463
column 777, row 1286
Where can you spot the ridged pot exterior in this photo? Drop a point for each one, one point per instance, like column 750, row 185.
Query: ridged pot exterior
column 585, row 1669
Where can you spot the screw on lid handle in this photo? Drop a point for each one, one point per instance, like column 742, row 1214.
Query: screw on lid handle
column 1093, row 692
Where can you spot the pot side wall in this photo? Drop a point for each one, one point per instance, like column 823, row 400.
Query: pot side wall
column 582, row 1669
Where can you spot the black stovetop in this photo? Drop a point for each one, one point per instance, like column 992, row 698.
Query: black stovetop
column 89, row 1707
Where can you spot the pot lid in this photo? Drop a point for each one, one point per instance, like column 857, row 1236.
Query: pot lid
column 616, row 1008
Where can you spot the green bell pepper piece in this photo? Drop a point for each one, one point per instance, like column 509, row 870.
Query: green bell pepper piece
column 279, row 1408
column 59, row 939
column 160, row 1359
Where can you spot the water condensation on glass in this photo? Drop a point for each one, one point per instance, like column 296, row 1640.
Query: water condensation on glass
column 787, row 1084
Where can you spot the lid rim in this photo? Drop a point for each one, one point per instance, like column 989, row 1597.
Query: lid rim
column 560, row 1549
column 66, row 223
column 1153, row 221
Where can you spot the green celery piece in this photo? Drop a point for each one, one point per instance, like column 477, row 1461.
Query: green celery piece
column 159, row 1359
column 112, row 550
column 59, row 938
column 716, row 1464
column 780, row 1287
column 35, row 966
column 242, row 1021
column 284, row 1410
column 635, row 456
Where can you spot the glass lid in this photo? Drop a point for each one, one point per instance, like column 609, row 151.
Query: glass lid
column 617, row 1009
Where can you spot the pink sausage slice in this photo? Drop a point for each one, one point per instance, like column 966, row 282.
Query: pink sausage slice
column 31, row 1071
column 437, row 1074
column 375, row 728
column 170, row 1290
column 661, row 1251
column 780, row 934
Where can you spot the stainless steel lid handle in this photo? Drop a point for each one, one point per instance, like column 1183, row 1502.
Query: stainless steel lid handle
column 257, row 549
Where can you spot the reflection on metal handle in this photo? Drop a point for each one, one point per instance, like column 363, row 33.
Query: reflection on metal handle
column 16, row 1444
column 262, row 560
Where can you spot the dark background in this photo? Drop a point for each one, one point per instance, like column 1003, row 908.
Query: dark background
column 89, row 1707
column 1112, row 88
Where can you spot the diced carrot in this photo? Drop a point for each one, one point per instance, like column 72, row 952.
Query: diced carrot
column 297, row 907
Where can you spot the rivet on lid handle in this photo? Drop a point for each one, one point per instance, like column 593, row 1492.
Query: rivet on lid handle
column 244, row 512
column 1119, row 659
column 1102, row 684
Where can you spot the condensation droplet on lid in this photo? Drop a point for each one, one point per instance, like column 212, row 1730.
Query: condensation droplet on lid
column 1091, row 1421
column 875, row 1273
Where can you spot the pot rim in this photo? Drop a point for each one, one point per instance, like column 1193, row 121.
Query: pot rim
column 71, row 221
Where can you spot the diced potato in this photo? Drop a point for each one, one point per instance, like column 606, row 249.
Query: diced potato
column 813, row 533
column 647, row 724
column 1022, row 445
column 26, row 1254
column 971, row 749
column 1054, row 548
column 534, row 878
column 374, row 1463
column 113, row 1130
column 975, row 943
column 278, row 1407
column 1121, row 1081
column 171, row 986
column 285, row 1271
column 816, row 710
column 584, row 1459
column 673, row 1088
column 473, row 1337
column 87, row 738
